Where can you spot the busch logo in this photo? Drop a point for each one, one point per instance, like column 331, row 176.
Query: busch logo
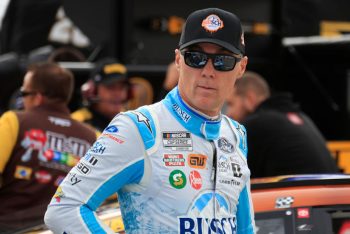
column 205, row 225
column 183, row 115
column 200, row 217
column 98, row 148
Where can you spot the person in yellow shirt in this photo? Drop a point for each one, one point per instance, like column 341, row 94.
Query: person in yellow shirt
column 38, row 146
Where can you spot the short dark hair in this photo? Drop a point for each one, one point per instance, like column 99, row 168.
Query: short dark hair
column 254, row 82
column 53, row 81
column 68, row 54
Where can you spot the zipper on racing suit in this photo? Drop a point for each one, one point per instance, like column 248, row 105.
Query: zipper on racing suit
column 214, row 171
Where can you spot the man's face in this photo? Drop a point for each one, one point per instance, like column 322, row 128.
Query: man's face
column 112, row 98
column 206, row 89
column 236, row 106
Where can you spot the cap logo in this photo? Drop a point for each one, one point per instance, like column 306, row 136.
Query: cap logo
column 212, row 23
column 114, row 68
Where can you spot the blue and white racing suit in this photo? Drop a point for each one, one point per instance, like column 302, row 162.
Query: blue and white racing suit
column 175, row 171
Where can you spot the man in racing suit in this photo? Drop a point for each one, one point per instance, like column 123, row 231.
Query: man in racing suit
column 179, row 166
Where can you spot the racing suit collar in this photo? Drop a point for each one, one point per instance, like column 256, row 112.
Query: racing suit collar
column 191, row 120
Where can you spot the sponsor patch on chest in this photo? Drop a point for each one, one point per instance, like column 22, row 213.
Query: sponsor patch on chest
column 171, row 160
column 177, row 141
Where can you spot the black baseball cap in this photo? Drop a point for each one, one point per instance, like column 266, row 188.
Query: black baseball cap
column 216, row 26
column 108, row 72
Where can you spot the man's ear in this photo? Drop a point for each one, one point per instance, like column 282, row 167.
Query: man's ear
column 39, row 99
column 243, row 65
column 251, row 100
column 177, row 59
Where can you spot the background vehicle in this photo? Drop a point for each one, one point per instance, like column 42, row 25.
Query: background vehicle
column 318, row 204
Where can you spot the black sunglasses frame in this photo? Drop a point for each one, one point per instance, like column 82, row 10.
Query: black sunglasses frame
column 227, row 62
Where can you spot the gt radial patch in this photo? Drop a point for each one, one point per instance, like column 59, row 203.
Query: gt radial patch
column 177, row 179
column 171, row 160
column 23, row 173
column 284, row 202
column 177, row 141
column 198, row 161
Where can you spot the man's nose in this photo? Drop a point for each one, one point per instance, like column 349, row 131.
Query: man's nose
column 208, row 69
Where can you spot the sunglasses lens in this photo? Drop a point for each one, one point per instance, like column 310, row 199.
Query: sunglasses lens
column 195, row 59
column 220, row 62
column 224, row 63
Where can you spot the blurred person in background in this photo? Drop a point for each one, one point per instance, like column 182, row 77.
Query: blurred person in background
column 170, row 81
column 282, row 140
column 105, row 94
column 38, row 146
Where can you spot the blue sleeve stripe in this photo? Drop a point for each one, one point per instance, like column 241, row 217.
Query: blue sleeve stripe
column 244, row 217
column 144, row 122
column 243, row 141
column 90, row 220
column 129, row 175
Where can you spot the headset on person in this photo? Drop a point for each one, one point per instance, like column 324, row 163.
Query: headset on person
column 89, row 88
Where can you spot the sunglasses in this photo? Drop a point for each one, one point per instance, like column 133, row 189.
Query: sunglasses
column 221, row 62
column 23, row 93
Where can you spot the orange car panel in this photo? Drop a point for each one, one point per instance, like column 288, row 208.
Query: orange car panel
column 265, row 199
